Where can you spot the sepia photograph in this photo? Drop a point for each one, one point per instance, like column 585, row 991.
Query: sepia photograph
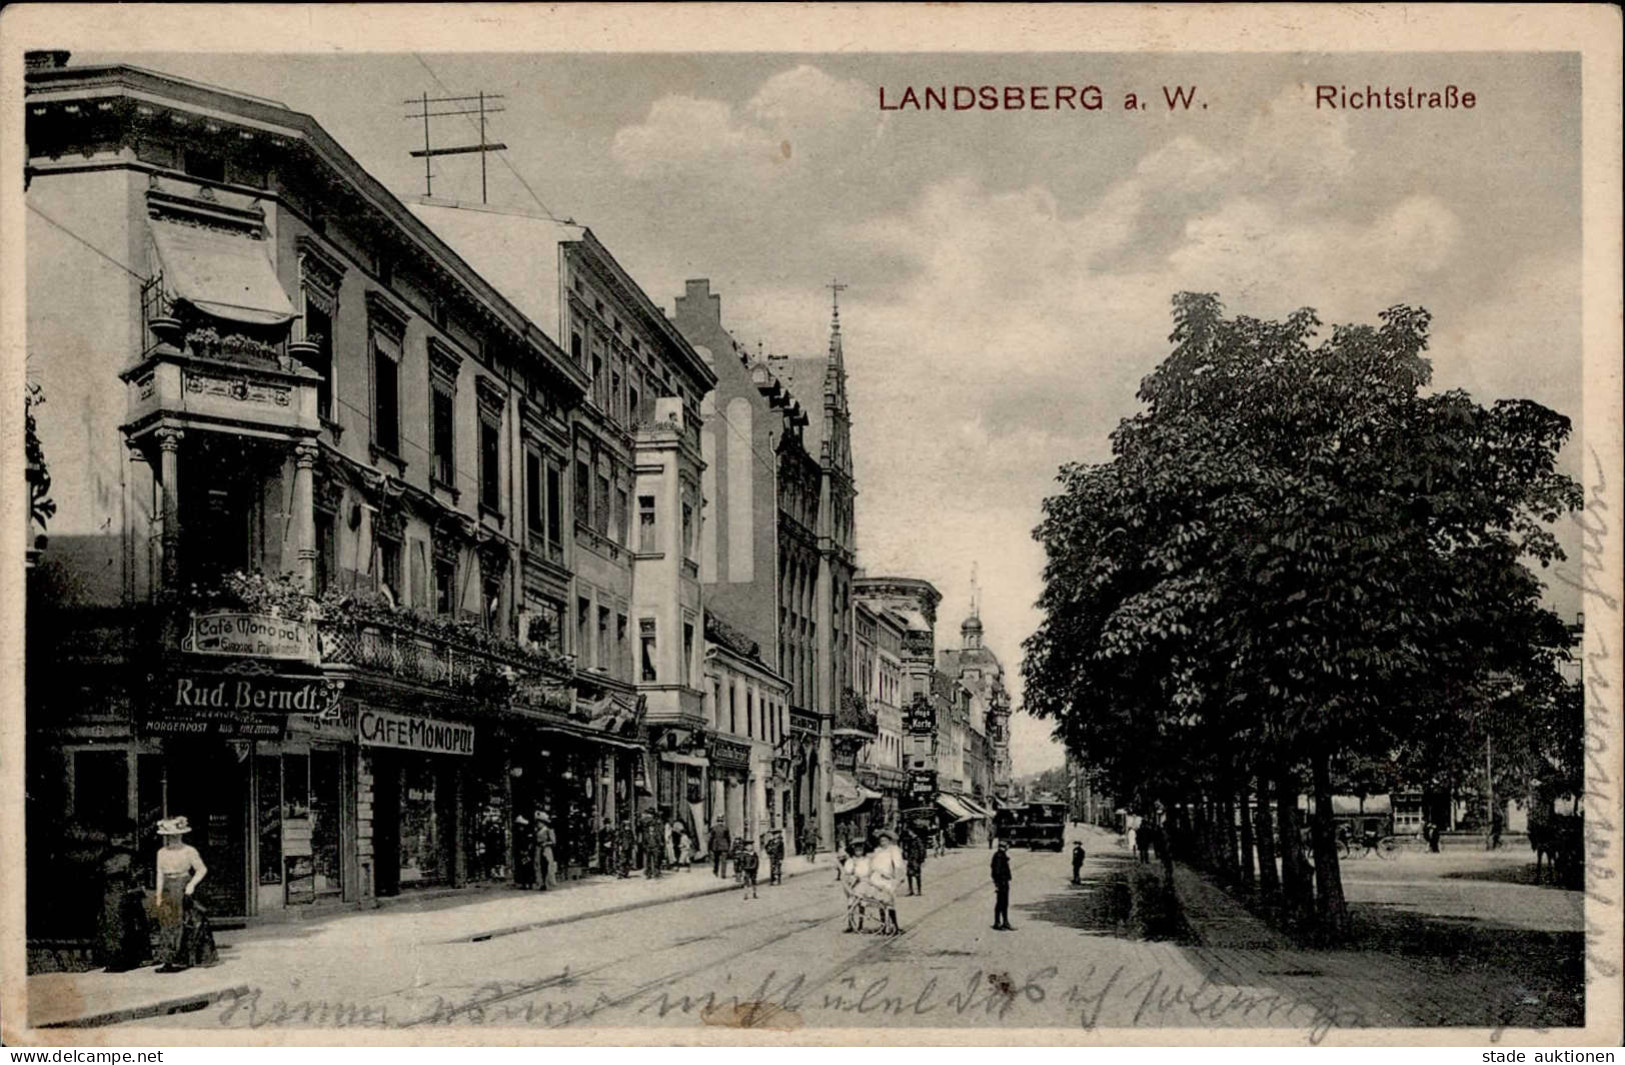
column 851, row 524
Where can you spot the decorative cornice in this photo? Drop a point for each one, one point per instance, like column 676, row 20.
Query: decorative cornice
column 318, row 265
column 445, row 362
column 386, row 314
column 492, row 396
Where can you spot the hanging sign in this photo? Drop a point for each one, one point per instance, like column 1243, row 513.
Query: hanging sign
column 250, row 636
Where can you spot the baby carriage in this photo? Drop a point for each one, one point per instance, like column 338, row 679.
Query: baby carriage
column 866, row 898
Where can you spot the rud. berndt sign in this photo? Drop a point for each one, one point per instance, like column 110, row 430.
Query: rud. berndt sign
column 274, row 695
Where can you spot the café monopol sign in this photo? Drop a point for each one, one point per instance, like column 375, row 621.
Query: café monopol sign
column 425, row 734
column 250, row 636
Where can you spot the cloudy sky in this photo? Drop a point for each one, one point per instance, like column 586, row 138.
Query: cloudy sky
column 1009, row 273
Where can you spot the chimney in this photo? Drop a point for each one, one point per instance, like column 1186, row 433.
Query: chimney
column 45, row 59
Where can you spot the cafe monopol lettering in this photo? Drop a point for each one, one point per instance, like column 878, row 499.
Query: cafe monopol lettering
column 194, row 702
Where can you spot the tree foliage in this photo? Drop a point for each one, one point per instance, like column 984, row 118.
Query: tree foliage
column 1296, row 554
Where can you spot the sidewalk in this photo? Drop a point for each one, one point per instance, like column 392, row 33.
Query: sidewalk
column 91, row 999
column 1400, row 984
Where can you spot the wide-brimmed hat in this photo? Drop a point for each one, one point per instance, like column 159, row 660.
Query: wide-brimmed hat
column 174, row 826
column 521, row 820
column 543, row 818
column 886, row 833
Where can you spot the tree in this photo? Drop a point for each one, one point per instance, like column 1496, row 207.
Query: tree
column 1294, row 555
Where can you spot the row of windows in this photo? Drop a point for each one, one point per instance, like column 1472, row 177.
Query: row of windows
column 766, row 719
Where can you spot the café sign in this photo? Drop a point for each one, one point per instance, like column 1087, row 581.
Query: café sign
column 250, row 636
column 378, row 728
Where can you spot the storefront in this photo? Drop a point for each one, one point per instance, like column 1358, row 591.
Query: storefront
column 730, row 786
column 415, row 765
column 858, row 810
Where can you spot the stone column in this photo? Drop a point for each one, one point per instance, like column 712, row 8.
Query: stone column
column 304, row 511
column 169, row 443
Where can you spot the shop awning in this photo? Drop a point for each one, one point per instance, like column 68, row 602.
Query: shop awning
column 846, row 794
column 954, row 809
column 221, row 274
column 976, row 808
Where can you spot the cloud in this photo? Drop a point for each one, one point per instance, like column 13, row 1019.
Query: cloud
column 795, row 117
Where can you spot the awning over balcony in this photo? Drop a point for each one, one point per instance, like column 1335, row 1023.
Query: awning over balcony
column 954, row 809
column 846, row 794
column 221, row 274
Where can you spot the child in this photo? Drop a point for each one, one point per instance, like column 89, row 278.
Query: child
column 747, row 866
column 775, row 856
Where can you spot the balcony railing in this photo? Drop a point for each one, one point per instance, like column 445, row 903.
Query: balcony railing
column 409, row 653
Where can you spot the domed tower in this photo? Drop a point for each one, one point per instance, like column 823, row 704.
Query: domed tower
column 970, row 633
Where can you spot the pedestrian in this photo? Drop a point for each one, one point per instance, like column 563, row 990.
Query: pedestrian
column 886, row 868
column 1142, row 842
column 854, row 877
column 942, row 843
column 720, row 843
column 681, row 846
column 774, row 849
column 1077, row 861
column 524, row 853
column 809, row 842
column 1430, row 832
column 606, row 847
column 626, row 845
column 546, row 873
column 748, row 864
column 654, row 846
column 124, row 938
column 1496, row 824
column 914, row 855
column 180, row 869
column 1001, row 887
column 669, row 842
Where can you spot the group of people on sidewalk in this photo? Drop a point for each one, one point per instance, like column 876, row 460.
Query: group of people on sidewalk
column 125, row 928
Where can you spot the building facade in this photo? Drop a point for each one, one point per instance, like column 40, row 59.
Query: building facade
column 318, row 589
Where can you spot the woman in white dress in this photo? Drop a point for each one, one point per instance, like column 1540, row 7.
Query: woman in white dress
column 180, row 869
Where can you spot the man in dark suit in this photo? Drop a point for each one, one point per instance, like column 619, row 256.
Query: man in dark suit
column 1001, row 887
column 721, row 843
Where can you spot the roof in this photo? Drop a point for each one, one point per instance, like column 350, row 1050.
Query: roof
column 270, row 118
column 803, row 378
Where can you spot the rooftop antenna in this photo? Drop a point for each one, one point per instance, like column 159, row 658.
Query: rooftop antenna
column 429, row 151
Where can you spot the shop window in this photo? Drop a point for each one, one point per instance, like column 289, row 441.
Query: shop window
column 646, row 634
column 295, row 787
column 420, row 823
column 101, row 789
column 326, row 787
column 268, row 817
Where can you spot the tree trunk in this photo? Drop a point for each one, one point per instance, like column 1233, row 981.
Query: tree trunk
column 1269, row 879
column 1296, row 889
column 1247, row 877
column 1227, row 836
column 1332, row 907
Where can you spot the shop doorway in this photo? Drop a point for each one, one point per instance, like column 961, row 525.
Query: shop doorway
column 386, row 825
column 208, row 785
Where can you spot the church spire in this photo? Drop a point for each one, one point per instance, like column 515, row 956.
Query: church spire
column 836, row 359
